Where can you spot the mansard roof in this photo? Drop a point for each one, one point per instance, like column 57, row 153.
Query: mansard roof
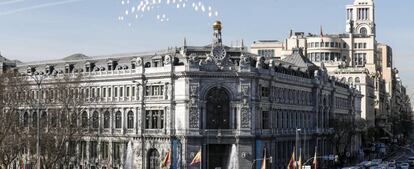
column 77, row 56
column 299, row 60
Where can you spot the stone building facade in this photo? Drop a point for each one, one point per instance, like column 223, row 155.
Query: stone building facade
column 213, row 98
column 351, row 56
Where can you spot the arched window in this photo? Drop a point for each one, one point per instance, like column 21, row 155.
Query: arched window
column 118, row 120
column 34, row 119
column 26, row 119
column 130, row 122
column 107, row 119
column 357, row 80
column 350, row 80
column 84, row 119
column 53, row 120
column 343, row 80
column 44, row 117
column 148, row 64
column 363, row 31
column 153, row 159
column 95, row 120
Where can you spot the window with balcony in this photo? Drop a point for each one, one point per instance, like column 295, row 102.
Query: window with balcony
column 265, row 120
column 107, row 120
column 154, row 119
column 118, row 120
column 155, row 90
column 93, row 149
column 130, row 122
column 105, row 150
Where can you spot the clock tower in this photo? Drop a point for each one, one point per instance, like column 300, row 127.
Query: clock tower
column 218, row 52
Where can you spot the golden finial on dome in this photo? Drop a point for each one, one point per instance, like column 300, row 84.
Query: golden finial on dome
column 217, row 25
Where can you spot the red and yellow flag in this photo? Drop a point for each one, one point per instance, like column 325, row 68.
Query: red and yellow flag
column 166, row 160
column 300, row 160
column 315, row 159
column 197, row 158
column 292, row 161
column 264, row 160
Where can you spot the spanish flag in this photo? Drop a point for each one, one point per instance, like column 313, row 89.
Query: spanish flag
column 166, row 160
column 292, row 161
column 300, row 160
column 315, row 159
column 197, row 158
column 264, row 160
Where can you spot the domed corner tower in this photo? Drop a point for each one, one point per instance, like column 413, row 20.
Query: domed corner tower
column 361, row 18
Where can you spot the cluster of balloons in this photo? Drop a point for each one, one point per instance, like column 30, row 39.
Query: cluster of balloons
column 137, row 8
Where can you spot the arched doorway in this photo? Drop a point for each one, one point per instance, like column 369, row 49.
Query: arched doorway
column 153, row 159
column 218, row 108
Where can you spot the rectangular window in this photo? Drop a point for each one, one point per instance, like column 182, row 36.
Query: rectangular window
column 121, row 91
column 109, row 92
column 332, row 44
column 326, row 44
column 127, row 91
column 265, row 92
column 116, row 92
column 98, row 92
column 93, row 93
column 154, row 119
column 117, row 151
column 93, row 149
column 265, row 120
column 83, row 149
column 104, row 92
column 316, row 45
column 133, row 91
column 105, row 150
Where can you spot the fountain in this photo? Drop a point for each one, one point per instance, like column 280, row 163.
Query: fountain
column 234, row 159
column 128, row 164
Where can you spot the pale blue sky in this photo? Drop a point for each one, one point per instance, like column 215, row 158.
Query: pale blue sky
column 31, row 30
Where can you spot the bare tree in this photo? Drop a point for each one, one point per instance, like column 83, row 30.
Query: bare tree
column 12, row 133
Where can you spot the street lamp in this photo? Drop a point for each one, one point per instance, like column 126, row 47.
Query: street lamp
column 38, row 79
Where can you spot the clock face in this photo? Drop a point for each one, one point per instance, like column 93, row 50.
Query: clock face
column 219, row 53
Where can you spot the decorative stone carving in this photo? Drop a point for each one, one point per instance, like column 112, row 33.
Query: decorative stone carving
column 245, row 117
column 260, row 62
column 194, row 117
column 193, row 90
column 139, row 61
column 245, row 90
column 167, row 60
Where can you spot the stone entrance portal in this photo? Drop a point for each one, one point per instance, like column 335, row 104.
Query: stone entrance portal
column 218, row 156
column 218, row 109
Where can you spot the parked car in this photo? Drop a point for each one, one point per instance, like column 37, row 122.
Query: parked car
column 411, row 160
column 405, row 166
column 376, row 161
column 392, row 166
column 353, row 167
